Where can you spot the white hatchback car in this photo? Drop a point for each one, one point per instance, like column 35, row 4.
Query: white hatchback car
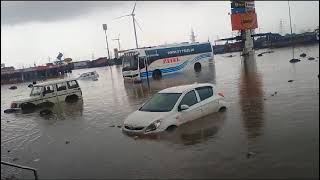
column 174, row 106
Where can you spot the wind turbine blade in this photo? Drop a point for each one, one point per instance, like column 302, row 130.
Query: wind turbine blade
column 122, row 16
column 134, row 7
column 135, row 20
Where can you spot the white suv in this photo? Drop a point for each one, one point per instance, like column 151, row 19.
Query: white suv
column 174, row 106
column 50, row 92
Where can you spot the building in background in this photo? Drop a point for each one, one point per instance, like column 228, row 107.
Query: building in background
column 81, row 64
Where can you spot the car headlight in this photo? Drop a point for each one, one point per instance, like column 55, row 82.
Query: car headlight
column 153, row 126
column 13, row 105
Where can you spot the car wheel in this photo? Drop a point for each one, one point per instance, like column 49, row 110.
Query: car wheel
column 197, row 67
column 72, row 98
column 28, row 107
column 157, row 74
column 171, row 128
column 222, row 109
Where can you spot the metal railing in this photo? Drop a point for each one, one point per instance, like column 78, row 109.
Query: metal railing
column 22, row 167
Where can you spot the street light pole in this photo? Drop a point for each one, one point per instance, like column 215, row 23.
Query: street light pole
column 105, row 32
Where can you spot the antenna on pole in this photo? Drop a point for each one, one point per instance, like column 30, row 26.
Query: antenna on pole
column 192, row 36
column 281, row 27
column 118, row 39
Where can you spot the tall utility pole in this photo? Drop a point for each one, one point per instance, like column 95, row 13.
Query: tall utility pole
column 192, row 36
column 92, row 56
column 281, row 27
column 291, row 30
column 105, row 32
column 118, row 39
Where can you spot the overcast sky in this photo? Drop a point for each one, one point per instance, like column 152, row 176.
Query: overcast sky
column 34, row 31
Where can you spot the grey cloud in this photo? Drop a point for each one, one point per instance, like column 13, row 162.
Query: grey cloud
column 21, row 12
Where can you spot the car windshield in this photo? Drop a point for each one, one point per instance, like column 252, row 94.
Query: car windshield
column 36, row 91
column 161, row 102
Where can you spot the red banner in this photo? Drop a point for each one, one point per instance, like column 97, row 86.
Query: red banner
column 244, row 21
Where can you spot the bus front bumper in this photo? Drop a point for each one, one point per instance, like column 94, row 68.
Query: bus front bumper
column 132, row 78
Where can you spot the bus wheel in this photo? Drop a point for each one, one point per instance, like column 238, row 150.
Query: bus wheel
column 156, row 74
column 197, row 67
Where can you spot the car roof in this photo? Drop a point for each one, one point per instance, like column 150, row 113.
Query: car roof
column 55, row 82
column 184, row 88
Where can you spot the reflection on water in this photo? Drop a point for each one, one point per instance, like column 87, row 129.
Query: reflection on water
column 251, row 97
column 65, row 110
column 199, row 130
column 191, row 133
column 59, row 111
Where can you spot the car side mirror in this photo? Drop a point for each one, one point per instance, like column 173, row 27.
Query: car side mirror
column 184, row 107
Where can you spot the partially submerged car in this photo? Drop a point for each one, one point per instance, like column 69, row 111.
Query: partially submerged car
column 50, row 92
column 89, row 75
column 171, row 107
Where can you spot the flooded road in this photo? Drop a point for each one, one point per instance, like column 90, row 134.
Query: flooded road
column 270, row 128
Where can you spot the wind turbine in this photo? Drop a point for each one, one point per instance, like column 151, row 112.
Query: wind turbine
column 118, row 39
column 134, row 21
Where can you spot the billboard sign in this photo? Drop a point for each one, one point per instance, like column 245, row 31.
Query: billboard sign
column 238, row 10
column 249, row 5
column 244, row 21
column 238, row 4
column 59, row 56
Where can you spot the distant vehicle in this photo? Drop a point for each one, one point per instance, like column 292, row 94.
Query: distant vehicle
column 174, row 106
column 50, row 92
column 89, row 75
column 162, row 60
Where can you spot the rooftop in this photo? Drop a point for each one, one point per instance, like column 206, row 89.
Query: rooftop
column 183, row 88
column 55, row 82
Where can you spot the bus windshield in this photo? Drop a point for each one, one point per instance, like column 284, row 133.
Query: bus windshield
column 130, row 63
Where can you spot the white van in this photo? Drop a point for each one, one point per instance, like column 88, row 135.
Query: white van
column 50, row 92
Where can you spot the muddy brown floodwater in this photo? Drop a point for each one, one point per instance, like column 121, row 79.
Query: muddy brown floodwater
column 261, row 134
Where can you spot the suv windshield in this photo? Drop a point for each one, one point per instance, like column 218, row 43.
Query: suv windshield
column 161, row 102
column 36, row 91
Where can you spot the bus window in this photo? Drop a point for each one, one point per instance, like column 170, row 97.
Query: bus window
column 141, row 63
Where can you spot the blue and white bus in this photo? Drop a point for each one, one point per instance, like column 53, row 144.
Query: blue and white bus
column 162, row 60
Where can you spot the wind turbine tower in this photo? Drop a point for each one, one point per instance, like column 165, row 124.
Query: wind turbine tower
column 134, row 21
